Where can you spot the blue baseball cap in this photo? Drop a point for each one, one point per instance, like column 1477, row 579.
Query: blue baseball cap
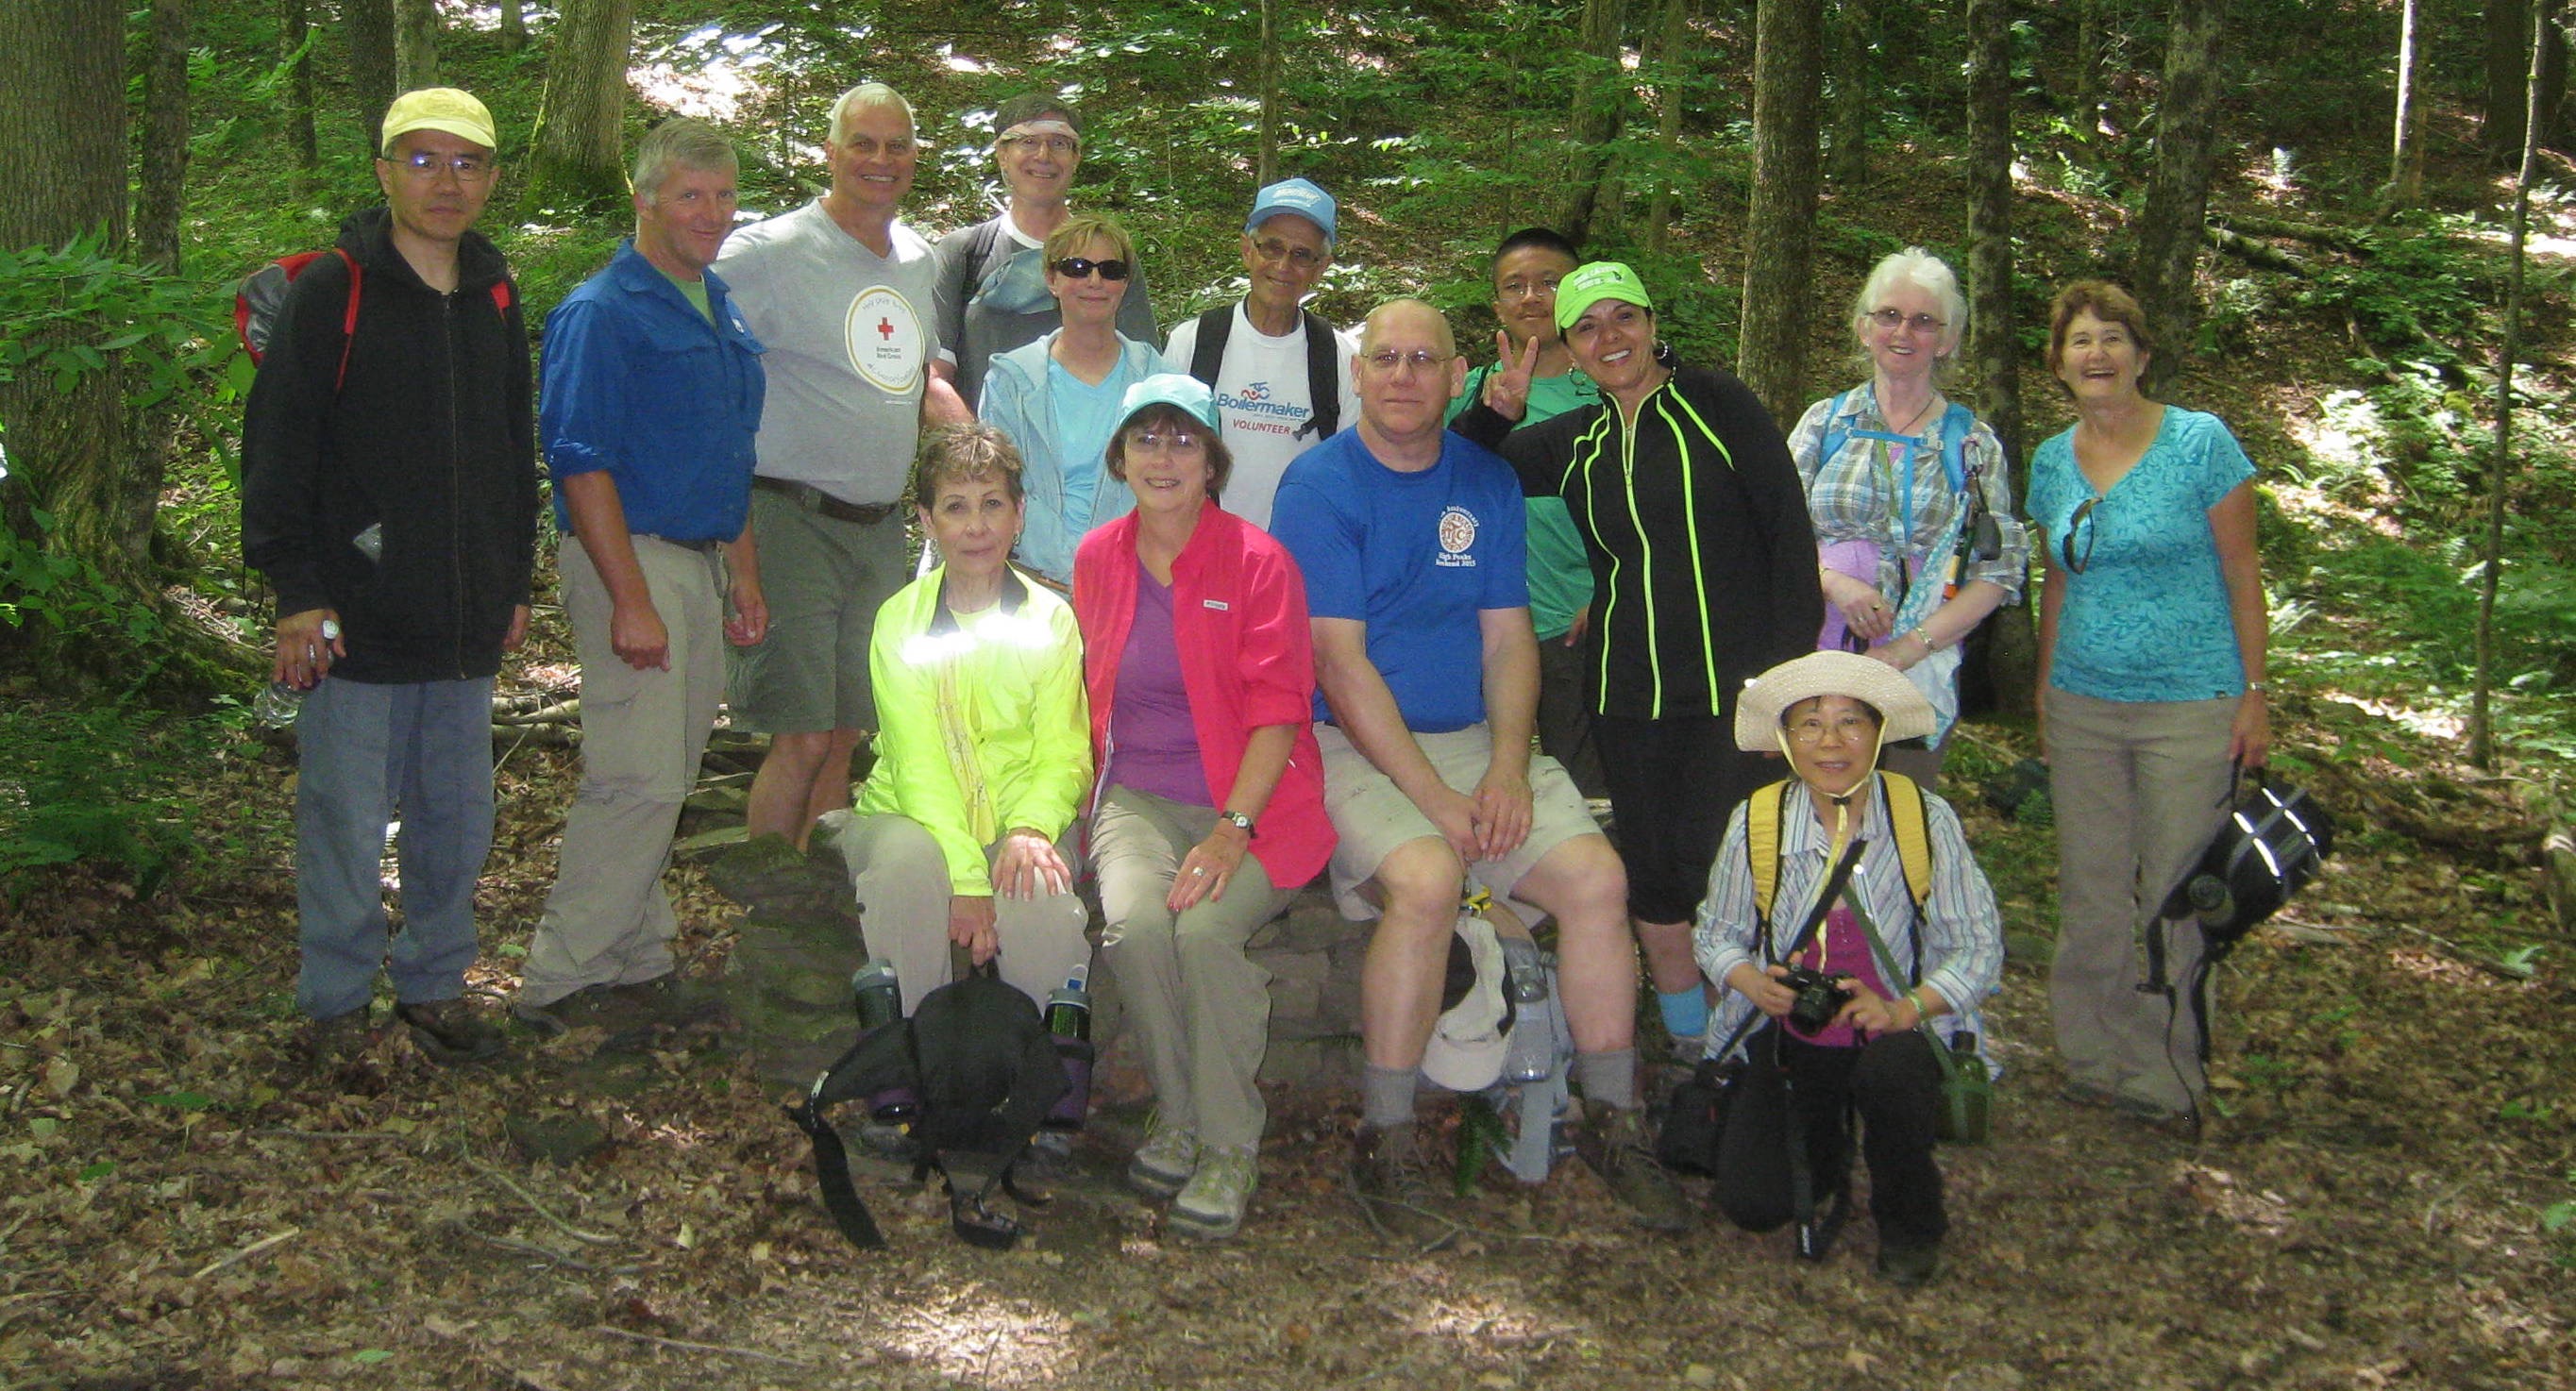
column 1300, row 196
column 1180, row 391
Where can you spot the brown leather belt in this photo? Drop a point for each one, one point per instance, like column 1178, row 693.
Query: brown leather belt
column 813, row 499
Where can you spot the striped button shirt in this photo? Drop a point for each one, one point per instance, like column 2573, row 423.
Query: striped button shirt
column 1853, row 495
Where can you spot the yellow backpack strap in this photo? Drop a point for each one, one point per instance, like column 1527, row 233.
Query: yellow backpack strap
column 1913, row 834
column 1762, row 846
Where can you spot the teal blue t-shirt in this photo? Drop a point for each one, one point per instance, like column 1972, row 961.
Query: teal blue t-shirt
column 1085, row 415
column 1560, row 570
column 2146, row 619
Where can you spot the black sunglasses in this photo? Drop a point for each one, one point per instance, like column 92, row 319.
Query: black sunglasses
column 1076, row 267
column 2081, row 522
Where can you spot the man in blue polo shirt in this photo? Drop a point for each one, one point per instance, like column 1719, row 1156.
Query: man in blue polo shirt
column 651, row 394
column 1413, row 545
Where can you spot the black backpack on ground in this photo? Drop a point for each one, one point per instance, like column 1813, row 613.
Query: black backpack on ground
column 1323, row 373
column 985, row 1070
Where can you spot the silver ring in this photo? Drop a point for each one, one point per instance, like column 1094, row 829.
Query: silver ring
column 1202, row 869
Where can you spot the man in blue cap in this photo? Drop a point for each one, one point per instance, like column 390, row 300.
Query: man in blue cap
column 1282, row 376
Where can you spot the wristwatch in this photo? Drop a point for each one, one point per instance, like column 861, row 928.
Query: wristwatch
column 1236, row 819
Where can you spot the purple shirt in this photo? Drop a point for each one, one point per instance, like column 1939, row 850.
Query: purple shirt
column 1847, row 953
column 1153, row 747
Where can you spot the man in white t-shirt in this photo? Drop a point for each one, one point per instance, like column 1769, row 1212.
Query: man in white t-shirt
column 1268, row 359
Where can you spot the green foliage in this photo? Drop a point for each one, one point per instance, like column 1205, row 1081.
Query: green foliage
column 100, row 785
column 66, row 595
column 76, row 310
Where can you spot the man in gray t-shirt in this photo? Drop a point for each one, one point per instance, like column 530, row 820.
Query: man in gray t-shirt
column 839, row 293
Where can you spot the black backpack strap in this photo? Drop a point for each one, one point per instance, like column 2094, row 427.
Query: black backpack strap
column 1323, row 378
column 832, row 1174
column 1207, row 354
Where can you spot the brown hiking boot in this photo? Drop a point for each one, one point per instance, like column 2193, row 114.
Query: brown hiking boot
column 1394, row 1189
column 451, row 1032
column 332, row 1044
column 631, row 1015
column 1617, row 1147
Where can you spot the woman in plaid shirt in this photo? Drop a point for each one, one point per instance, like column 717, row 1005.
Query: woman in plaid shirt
column 1890, row 467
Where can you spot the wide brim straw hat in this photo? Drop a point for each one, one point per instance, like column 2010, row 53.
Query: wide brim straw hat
column 1902, row 711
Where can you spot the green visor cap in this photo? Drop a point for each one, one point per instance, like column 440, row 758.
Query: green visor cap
column 1590, row 284
column 1187, row 394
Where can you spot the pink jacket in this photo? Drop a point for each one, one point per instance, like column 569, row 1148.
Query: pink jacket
column 1247, row 660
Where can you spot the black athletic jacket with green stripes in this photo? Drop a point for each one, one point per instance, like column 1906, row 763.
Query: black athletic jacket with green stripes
column 1703, row 560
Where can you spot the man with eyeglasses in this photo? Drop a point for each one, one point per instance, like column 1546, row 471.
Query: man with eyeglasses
column 992, row 282
column 389, row 493
column 839, row 292
column 1412, row 541
column 1282, row 375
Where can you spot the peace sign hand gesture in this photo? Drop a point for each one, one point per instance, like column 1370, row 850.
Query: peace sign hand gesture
column 1507, row 387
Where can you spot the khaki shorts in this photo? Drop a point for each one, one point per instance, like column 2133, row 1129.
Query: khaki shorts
column 1372, row 816
column 824, row 580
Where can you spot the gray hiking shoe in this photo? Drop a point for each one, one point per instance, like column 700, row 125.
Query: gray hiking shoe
column 1619, row 1150
column 1165, row 1162
column 1394, row 1189
column 1211, row 1205
column 451, row 1032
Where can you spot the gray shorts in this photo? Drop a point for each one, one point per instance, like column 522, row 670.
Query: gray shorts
column 824, row 580
column 1372, row 816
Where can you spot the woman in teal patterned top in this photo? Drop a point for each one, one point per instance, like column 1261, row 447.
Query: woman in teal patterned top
column 2152, row 635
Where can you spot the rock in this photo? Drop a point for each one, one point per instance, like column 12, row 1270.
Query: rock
column 564, row 1139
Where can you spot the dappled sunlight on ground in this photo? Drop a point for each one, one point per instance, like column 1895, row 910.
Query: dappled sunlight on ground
column 2433, row 724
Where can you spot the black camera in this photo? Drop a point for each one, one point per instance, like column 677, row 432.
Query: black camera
column 1820, row 998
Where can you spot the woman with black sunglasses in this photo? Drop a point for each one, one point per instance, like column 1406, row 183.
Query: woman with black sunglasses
column 1058, row 398
column 2152, row 636
column 1915, row 539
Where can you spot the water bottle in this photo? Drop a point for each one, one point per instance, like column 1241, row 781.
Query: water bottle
column 2210, row 900
column 1529, row 1050
column 1068, row 1018
column 1527, row 969
column 878, row 997
column 278, row 705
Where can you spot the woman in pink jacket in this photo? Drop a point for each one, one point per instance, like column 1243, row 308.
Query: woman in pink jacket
column 1209, row 813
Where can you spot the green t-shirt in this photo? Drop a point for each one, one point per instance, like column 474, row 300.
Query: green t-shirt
column 1560, row 571
column 695, row 292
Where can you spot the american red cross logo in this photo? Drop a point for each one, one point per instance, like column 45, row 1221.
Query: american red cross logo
column 885, row 328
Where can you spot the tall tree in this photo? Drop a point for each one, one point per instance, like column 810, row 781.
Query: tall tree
column 1779, row 231
column 294, row 44
column 371, row 64
column 2088, row 71
column 1848, row 159
column 63, row 175
column 2406, row 143
column 1993, row 348
column 514, row 25
column 1266, row 171
column 1672, row 65
column 164, row 174
column 2500, row 469
column 577, row 157
column 415, row 45
column 1599, row 96
column 2169, row 231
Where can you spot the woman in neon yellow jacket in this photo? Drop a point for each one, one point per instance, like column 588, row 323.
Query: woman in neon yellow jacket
column 986, row 750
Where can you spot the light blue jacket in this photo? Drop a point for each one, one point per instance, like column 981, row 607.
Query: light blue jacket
column 1018, row 402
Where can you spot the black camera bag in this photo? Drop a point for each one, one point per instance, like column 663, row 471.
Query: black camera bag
column 2272, row 842
column 985, row 1068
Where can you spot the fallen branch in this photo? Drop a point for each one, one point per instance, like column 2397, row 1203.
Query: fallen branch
column 687, row 1346
column 249, row 1251
column 2313, row 233
column 547, row 1253
column 568, row 1229
column 561, row 736
column 2262, row 254
column 327, row 1135
column 563, row 712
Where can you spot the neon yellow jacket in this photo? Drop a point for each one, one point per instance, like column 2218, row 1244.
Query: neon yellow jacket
column 986, row 725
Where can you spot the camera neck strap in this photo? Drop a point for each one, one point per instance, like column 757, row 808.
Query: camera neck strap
column 1834, row 883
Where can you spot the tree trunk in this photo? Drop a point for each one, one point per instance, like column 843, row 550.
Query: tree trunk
column 294, row 31
column 1848, row 162
column 2088, row 71
column 415, row 45
column 2406, row 142
column 1780, row 227
column 514, row 25
column 2508, row 62
column 1266, row 172
column 163, row 178
column 63, row 175
column 371, row 65
column 1599, row 94
column 1672, row 61
column 2500, row 472
column 2012, row 648
column 2178, row 191
column 578, row 153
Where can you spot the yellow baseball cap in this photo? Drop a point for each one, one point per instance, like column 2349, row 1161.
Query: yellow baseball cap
column 439, row 108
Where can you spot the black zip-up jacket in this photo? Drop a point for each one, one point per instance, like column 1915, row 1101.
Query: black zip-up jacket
column 1703, row 559
column 431, row 437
